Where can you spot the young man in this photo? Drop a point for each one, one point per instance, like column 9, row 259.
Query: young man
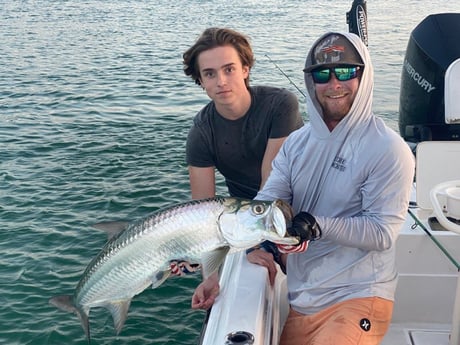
column 350, row 174
column 239, row 131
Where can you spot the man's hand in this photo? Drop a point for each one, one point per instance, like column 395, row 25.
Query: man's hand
column 205, row 294
column 264, row 258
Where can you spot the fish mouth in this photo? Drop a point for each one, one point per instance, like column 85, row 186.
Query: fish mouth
column 282, row 217
column 286, row 210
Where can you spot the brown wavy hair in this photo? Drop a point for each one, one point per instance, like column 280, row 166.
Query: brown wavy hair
column 213, row 38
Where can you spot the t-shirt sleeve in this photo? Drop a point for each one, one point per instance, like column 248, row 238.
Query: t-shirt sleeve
column 286, row 117
column 198, row 150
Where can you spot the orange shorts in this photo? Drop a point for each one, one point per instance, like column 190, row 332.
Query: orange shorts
column 359, row 321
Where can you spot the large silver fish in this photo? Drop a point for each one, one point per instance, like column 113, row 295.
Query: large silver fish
column 200, row 231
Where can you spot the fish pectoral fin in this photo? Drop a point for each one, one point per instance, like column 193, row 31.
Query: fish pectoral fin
column 111, row 228
column 119, row 311
column 159, row 278
column 211, row 261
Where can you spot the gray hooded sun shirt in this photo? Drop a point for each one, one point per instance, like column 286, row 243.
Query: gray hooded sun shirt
column 355, row 180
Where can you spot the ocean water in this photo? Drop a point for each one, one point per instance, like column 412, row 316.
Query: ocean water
column 94, row 112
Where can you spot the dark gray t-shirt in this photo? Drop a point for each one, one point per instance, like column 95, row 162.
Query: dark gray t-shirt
column 236, row 147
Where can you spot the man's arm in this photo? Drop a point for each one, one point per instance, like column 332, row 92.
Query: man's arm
column 203, row 185
column 202, row 182
column 273, row 146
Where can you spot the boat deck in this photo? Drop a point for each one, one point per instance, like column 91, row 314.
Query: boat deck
column 417, row 334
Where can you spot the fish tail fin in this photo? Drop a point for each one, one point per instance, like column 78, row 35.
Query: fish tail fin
column 119, row 311
column 65, row 303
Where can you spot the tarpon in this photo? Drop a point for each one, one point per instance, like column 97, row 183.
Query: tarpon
column 199, row 231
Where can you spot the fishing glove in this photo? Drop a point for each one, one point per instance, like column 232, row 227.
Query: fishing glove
column 306, row 229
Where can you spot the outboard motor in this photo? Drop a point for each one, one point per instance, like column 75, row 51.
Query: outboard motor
column 429, row 107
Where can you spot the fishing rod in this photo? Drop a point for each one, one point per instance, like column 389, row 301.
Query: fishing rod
column 357, row 20
column 285, row 75
column 438, row 244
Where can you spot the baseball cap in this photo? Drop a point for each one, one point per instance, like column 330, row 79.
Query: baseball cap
column 333, row 49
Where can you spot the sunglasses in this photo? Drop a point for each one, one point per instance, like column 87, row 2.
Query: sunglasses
column 322, row 76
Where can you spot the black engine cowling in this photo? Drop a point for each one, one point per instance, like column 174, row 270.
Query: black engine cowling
column 433, row 46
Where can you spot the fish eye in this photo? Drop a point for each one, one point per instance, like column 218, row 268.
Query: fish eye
column 258, row 209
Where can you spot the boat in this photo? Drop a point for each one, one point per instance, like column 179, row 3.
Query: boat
column 249, row 310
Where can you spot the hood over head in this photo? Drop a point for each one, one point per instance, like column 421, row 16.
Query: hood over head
column 354, row 52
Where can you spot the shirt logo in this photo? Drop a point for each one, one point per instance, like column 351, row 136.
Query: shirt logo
column 365, row 325
column 339, row 163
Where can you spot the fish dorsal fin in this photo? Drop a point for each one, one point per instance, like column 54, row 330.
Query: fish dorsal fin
column 159, row 278
column 119, row 311
column 111, row 228
column 211, row 261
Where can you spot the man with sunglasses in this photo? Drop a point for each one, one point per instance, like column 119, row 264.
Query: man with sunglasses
column 349, row 176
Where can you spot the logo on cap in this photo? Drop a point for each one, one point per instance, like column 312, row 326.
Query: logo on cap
column 334, row 49
column 328, row 52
